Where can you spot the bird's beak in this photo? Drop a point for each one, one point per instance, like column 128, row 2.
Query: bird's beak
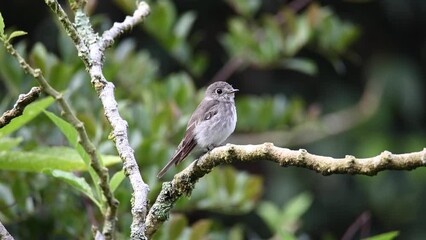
column 234, row 90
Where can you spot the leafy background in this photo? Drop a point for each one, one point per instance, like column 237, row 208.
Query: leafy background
column 291, row 67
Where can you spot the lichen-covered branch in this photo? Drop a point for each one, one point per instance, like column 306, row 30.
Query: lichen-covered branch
column 84, row 139
column 91, row 49
column 4, row 234
column 183, row 183
column 69, row 28
column 18, row 108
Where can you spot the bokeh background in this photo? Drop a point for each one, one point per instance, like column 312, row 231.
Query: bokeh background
column 334, row 77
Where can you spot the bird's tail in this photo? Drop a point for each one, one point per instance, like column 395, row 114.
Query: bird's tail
column 168, row 165
column 179, row 155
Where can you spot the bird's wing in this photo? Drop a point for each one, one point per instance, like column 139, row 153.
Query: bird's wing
column 204, row 111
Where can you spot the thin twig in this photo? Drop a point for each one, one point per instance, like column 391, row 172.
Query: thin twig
column 228, row 69
column 183, row 183
column 18, row 108
column 361, row 224
column 70, row 29
column 119, row 28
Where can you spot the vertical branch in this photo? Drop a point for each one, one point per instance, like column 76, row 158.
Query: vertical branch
column 91, row 49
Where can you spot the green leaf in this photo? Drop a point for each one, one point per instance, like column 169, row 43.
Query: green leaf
column 6, row 195
column 161, row 19
column 39, row 56
column 295, row 208
column 1, row 27
column 12, row 75
column 384, row 236
column 109, row 160
column 245, row 7
column 285, row 235
column 30, row 112
column 16, row 34
column 270, row 214
column 200, row 229
column 78, row 183
column 333, row 36
column 66, row 48
column 61, row 158
column 284, row 222
column 184, row 24
column 296, row 39
column 177, row 226
column 116, row 180
column 7, row 144
column 67, row 129
column 199, row 63
column 239, row 41
column 7, row 198
column 303, row 65
column 236, row 233
column 72, row 136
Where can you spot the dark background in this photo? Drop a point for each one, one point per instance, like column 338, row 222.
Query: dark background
column 392, row 46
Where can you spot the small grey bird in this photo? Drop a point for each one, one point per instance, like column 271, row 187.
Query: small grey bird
column 210, row 124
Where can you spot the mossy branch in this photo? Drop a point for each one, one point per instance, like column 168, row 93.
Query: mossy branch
column 91, row 48
column 183, row 183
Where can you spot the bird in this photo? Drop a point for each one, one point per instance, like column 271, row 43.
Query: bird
column 212, row 122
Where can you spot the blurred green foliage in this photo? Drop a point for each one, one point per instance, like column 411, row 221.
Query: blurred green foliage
column 51, row 194
column 384, row 236
column 284, row 222
column 274, row 40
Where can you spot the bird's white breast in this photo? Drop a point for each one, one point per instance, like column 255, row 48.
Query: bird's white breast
column 216, row 130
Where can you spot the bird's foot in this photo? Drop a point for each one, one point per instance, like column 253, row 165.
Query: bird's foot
column 210, row 147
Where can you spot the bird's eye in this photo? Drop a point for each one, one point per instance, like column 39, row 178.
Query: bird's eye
column 219, row 91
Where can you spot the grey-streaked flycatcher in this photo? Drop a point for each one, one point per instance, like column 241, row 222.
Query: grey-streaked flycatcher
column 210, row 124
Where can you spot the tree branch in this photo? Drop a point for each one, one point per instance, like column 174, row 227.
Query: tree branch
column 91, row 49
column 119, row 28
column 70, row 29
column 361, row 224
column 183, row 183
column 4, row 234
column 18, row 108
column 228, row 69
